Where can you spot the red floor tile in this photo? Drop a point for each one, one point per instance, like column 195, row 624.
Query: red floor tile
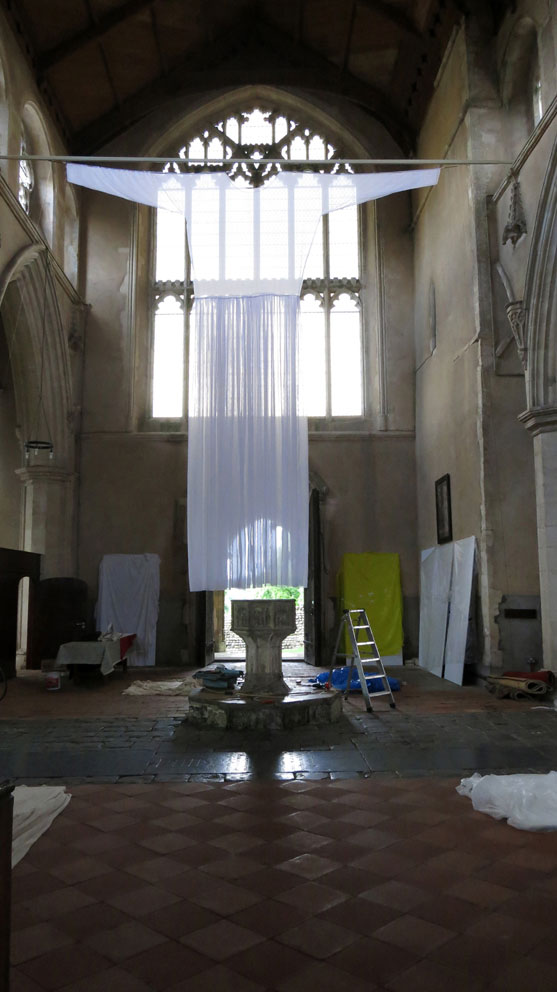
column 414, row 934
column 221, row 940
column 31, row 942
column 270, row 917
column 65, row 965
column 125, row 940
column 318, row 938
column 166, row 965
column 217, row 979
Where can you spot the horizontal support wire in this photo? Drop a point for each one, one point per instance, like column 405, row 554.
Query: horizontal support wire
column 207, row 163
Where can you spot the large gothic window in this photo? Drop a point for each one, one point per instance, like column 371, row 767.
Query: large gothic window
column 331, row 334
column 26, row 179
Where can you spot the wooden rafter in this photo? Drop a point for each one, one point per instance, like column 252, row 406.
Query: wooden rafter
column 156, row 34
column 394, row 15
column 98, row 27
column 299, row 28
column 273, row 60
column 349, row 35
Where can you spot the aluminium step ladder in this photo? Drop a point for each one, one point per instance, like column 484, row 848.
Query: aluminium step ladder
column 353, row 622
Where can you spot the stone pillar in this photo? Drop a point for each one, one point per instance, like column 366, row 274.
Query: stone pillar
column 263, row 625
column 542, row 424
column 47, row 520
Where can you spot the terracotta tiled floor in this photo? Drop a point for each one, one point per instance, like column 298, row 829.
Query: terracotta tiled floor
column 353, row 884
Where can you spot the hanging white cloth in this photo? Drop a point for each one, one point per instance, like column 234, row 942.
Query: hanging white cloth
column 247, row 440
column 129, row 601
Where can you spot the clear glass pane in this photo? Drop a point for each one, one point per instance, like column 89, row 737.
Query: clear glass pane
column 170, row 245
column 307, row 207
column 239, row 260
column 343, row 242
column 298, row 148
column 313, row 365
column 257, row 130
column 204, row 231
column 168, row 360
column 313, row 268
column 346, row 359
column 317, row 148
column 273, row 257
column 233, row 129
column 196, row 149
column 215, row 149
column 281, row 128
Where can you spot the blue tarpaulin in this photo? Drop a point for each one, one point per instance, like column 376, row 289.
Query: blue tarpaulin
column 340, row 678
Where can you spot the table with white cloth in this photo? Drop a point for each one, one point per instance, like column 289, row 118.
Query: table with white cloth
column 105, row 655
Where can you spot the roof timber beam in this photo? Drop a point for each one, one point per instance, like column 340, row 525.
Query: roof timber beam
column 109, row 126
column 394, row 15
column 95, row 31
column 274, row 59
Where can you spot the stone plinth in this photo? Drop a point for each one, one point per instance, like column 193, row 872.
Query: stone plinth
column 234, row 712
column 263, row 625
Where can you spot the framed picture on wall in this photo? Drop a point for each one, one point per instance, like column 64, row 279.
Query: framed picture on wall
column 443, row 509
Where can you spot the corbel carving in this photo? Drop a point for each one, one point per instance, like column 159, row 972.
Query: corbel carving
column 515, row 228
column 517, row 319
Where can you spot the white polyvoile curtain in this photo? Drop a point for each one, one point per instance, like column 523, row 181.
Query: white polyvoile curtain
column 247, row 446
column 247, row 440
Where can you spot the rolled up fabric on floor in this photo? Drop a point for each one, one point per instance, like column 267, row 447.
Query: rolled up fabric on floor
column 516, row 688
column 542, row 676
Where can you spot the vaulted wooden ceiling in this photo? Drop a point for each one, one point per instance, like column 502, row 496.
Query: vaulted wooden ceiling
column 103, row 64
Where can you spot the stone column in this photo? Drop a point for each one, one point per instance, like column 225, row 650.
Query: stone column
column 47, row 520
column 263, row 625
column 542, row 423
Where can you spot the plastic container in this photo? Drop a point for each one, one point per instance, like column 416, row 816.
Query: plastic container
column 52, row 680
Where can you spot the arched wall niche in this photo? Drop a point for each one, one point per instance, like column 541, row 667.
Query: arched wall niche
column 516, row 58
column 37, row 348
column 71, row 234
column 42, row 197
column 540, row 297
column 4, row 112
column 10, row 456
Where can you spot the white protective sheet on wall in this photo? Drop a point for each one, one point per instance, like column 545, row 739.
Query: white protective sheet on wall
column 461, row 592
column 129, row 600
column 245, row 242
column 446, row 577
column 435, row 584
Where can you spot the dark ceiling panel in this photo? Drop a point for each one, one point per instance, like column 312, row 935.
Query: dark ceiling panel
column 132, row 55
column 103, row 64
column 83, row 94
column 62, row 20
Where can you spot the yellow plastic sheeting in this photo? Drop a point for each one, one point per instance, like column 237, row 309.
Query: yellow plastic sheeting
column 371, row 581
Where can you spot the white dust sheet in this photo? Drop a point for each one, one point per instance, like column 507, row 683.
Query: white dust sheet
column 35, row 808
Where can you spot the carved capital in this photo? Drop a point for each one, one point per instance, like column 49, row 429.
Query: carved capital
column 517, row 319
column 540, row 420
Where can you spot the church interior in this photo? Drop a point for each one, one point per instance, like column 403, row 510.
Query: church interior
column 235, row 857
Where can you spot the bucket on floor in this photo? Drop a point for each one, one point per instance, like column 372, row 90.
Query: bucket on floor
column 52, row 680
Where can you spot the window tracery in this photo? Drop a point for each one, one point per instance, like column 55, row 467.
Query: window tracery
column 330, row 326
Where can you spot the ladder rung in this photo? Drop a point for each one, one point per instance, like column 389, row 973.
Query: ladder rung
column 363, row 644
column 360, row 626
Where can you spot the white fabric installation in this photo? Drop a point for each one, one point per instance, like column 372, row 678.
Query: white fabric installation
column 247, row 440
column 129, row 601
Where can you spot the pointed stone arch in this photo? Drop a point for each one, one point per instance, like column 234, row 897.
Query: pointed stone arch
column 40, row 365
column 540, row 302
